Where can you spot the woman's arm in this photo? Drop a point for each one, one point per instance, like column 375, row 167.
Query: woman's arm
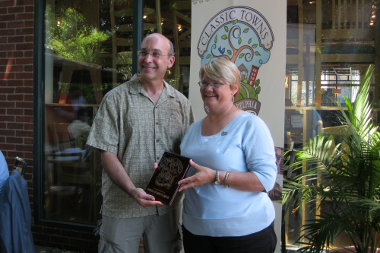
column 243, row 181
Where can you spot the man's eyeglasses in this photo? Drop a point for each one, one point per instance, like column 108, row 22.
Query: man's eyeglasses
column 154, row 54
column 213, row 85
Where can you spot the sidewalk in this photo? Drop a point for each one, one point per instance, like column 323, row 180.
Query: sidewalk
column 40, row 249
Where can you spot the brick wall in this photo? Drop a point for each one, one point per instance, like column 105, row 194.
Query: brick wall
column 65, row 239
column 16, row 83
column 16, row 112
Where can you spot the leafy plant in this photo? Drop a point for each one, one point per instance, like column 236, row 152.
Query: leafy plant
column 342, row 181
column 69, row 36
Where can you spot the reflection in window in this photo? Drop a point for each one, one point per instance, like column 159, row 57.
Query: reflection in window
column 337, row 83
column 330, row 44
column 88, row 51
column 77, row 75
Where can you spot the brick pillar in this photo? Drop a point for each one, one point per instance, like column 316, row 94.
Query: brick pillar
column 16, row 83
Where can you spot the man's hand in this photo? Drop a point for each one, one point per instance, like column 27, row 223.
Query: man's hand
column 119, row 176
column 145, row 200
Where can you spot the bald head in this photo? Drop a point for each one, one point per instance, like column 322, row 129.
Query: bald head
column 156, row 59
column 171, row 47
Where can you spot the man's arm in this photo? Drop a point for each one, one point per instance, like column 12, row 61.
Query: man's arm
column 119, row 176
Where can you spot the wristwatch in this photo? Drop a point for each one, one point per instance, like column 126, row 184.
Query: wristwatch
column 217, row 181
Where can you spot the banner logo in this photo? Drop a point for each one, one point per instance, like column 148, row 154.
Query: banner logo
column 243, row 36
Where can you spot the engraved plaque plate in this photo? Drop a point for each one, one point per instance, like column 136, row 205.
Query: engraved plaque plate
column 163, row 184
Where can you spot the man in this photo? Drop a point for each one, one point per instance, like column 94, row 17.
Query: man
column 135, row 124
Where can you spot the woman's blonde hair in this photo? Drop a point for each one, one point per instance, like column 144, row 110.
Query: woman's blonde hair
column 221, row 69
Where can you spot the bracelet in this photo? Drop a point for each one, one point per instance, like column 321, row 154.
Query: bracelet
column 226, row 179
column 216, row 180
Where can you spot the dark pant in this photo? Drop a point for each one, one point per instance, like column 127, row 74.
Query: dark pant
column 263, row 241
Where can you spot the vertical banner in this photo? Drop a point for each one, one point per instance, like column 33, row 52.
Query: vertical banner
column 251, row 34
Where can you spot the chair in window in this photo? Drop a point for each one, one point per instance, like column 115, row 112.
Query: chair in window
column 20, row 169
column 71, row 179
column 62, row 137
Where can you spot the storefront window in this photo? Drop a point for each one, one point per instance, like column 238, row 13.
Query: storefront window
column 89, row 51
column 330, row 44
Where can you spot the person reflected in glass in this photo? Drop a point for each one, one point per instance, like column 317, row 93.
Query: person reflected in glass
column 76, row 98
column 233, row 167
column 79, row 128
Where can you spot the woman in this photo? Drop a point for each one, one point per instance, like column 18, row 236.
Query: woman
column 226, row 205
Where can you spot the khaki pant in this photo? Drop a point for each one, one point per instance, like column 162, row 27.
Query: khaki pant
column 122, row 235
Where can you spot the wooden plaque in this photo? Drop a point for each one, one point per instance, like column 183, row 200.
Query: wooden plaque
column 163, row 184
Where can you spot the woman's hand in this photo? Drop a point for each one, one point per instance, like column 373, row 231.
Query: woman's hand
column 203, row 176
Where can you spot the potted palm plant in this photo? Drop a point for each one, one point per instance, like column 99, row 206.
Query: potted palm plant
column 341, row 181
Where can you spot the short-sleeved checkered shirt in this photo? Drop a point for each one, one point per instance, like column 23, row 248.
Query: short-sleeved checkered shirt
column 129, row 124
